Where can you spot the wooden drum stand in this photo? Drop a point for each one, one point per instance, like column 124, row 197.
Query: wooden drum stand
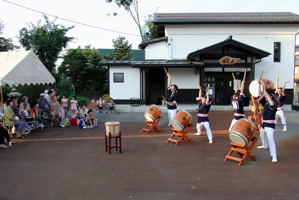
column 179, row 136
column 151, row 126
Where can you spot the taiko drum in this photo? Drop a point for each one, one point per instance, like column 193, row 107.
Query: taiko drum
column 254, row 86
column 243, row 131
column 113, row 128
column 181, row 120
column 152, row 113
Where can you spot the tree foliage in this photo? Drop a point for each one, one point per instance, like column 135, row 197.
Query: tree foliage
column 81, row 66
column 132, row 7
column 150, row 30
column 122, row 49
column 5, row 43
column 46, row 40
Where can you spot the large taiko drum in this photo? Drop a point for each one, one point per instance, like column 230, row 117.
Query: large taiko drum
column 181, row 120
column 113, row 128
column 242, row 131
column 152, row 113
column 254, row 86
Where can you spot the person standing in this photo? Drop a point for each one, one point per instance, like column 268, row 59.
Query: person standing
column 238, row 104
column 172, row 99
column 204, row 105
column 74, row 105
column 65, row 105
column 268, row 101
column 280, row 98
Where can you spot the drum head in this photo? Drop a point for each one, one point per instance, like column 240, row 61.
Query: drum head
column 149, row 117
column 238, row 138
column 253, row 88
column 177, row 125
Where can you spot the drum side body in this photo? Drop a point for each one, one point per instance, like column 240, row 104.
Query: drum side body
column 243, row 130
column 153, row 113
column 181, row 117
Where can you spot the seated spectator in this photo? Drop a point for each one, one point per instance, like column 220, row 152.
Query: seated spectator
column 82, row 112
column 101, row 104
column 111, row 105
column 11, row 119
column 90, row 119
column 25, row 107
column 4, row 134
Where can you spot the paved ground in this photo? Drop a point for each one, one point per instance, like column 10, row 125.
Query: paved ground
column 71, row 164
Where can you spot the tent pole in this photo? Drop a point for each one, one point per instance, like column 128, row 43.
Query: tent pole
column 1, row 101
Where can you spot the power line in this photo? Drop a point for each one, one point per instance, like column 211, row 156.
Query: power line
column 72, row 21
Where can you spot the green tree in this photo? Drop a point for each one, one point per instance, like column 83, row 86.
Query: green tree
column 150, row 30
column 46, row 40
column 122, row 49
column 131, row 6
column 5, row 43
column 81, row 66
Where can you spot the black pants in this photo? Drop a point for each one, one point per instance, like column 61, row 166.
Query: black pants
column 4, row 134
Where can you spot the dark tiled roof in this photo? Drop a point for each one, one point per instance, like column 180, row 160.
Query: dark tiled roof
column 147, row 63
column 227, row 18
column 228, row 47
column 145, row 43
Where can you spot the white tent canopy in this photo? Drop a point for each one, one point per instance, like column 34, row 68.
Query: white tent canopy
column 23, row 67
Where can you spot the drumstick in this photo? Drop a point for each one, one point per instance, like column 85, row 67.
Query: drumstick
column 244, row 76
column 234, row 76
column 237, row 86
column 261, row 75
column 165, row 70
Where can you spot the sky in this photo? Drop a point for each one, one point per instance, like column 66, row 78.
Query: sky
column 101, row 27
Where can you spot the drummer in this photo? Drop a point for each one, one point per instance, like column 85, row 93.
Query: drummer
column 172, row 99
column 267, row 131
column 280, row 98
column 204, row 105
column 238, row 104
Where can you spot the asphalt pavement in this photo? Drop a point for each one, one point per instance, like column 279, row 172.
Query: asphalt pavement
column 71, row 164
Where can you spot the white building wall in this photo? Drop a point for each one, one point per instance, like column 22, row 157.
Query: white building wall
column 184, row 39
column 184, row 78
column 131, row 85
column 157, row 50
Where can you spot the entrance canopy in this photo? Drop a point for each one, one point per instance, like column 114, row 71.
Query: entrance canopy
column 23, row 67
column 228, row 47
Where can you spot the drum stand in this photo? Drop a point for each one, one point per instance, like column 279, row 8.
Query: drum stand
column 109, row 146
column 151, row 126
column 242, row 150
column 177, row 137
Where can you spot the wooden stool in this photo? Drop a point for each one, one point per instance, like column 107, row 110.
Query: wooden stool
column 113, row 132
column 151, row 126
column 179, row 136
column 242, row 151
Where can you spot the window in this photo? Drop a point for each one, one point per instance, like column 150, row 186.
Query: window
column 276, row 57
column 118, row 77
